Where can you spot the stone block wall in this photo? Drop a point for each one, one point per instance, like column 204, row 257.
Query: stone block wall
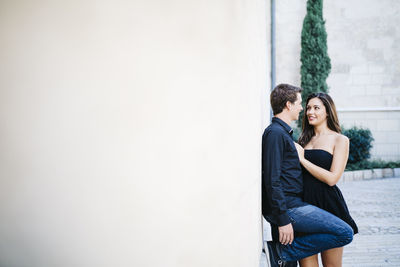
column 363, row 44
column 385, row 128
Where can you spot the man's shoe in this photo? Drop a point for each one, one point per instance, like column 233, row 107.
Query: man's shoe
column 274, row 255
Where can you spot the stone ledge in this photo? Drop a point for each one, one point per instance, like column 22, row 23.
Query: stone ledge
column 369, row 174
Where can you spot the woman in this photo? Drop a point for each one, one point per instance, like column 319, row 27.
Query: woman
column 323, row 153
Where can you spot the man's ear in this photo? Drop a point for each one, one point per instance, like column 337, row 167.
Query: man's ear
column 288, row 105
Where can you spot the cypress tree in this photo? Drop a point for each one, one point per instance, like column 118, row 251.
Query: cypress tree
column 315, row 62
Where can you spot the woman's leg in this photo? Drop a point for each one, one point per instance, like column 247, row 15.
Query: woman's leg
column 332, row 257
column 311, row 261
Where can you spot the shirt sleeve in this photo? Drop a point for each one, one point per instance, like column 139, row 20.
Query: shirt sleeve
column 273, row 152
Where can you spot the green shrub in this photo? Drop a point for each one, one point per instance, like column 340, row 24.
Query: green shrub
column 360, row 144
column 361, row 165
column 296, row 133
column 373, row 164
column 392, row 164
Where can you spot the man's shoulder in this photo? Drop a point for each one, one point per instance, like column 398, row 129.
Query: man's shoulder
column 274, row 129
column 274, row 134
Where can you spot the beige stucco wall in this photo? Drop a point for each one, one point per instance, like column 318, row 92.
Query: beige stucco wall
column 363, row 44
column 131, row 131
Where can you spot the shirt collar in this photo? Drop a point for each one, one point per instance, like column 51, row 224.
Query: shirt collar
column 283, row 124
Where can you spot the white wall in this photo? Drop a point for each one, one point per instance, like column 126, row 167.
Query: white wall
column 363, row 45
column 130, row 132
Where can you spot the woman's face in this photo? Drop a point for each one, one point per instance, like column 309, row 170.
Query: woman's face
column 315, row 111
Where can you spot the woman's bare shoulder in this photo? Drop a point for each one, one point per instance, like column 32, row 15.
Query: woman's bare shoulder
column 342, row 139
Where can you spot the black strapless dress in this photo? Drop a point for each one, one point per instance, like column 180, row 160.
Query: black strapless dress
column 319, row 194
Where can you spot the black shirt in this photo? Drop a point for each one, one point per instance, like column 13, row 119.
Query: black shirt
column 282, row 181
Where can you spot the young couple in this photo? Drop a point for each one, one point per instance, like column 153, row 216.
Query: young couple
column 305, row 208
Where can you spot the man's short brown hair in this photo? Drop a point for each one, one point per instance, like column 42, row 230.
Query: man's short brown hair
column 281, row 94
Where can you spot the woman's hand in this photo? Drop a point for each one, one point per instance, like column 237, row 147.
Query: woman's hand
column 300, row 151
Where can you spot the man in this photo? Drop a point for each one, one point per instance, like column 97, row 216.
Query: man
column 282, row 187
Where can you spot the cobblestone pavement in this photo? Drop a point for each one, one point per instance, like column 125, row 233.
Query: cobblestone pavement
column 375, row 206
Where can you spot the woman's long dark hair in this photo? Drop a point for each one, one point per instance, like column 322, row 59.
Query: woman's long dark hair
column 332, row 118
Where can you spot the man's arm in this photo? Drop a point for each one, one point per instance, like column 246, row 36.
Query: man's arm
column 273, row 149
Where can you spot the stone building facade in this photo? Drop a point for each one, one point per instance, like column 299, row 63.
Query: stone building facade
column 364, row 46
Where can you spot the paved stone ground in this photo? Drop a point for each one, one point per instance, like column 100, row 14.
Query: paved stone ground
column 375, row 206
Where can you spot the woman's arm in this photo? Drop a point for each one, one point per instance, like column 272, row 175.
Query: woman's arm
column 340, row 156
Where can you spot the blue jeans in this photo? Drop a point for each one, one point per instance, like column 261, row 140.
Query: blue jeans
column 322, row 230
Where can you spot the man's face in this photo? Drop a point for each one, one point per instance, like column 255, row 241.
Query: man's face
column 296, row 107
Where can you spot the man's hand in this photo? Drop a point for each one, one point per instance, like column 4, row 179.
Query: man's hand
column 286, row 234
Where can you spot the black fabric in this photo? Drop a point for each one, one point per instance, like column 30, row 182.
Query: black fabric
column 282, row 183
column 320, row 194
